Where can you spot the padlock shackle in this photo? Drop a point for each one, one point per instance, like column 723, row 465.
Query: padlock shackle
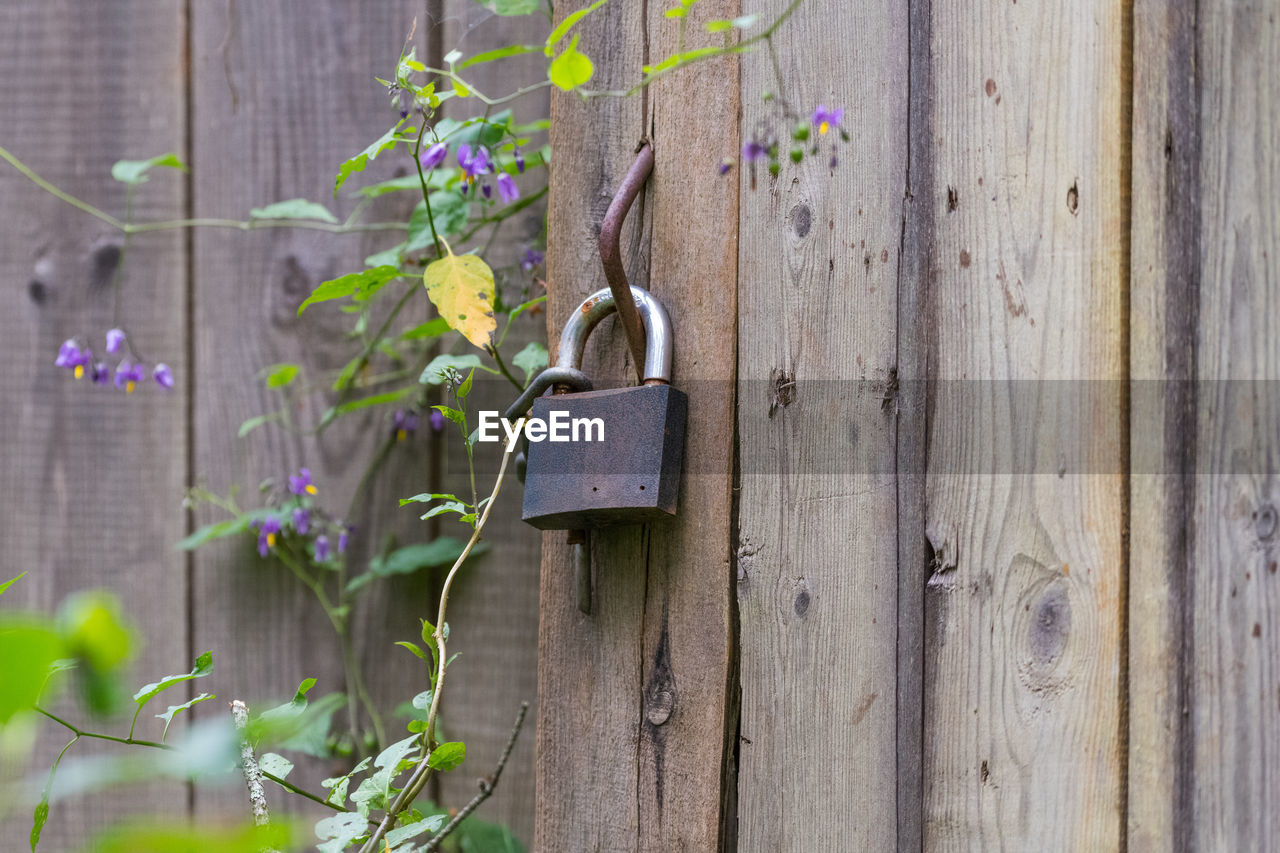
column 658, row 336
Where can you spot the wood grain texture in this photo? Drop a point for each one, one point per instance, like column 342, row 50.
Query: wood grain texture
column 1234, row 588
column 494, row 608
column 92, row 478
column 283, row 93
column 1165, row 278
column 1025, row 603
column 817, row 582
column 632, row 698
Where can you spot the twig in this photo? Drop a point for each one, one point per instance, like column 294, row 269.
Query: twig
column 78, row 732
column 422, row 772
column 292, row 788
column 487, row 785
column 249, row 764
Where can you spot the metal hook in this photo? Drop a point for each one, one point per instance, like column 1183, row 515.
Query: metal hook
column 611, row 252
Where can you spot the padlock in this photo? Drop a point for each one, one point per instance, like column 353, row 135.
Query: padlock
column 621, row 463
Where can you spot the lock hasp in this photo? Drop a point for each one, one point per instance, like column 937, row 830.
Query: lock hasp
column 629, row 477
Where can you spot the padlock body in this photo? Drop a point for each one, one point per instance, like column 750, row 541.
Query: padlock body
column 630, row 476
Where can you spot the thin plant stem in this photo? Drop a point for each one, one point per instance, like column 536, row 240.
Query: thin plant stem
column 79, row 732
column 426, row 194
column 422, row 772
column 487, row 785
column 294, row 789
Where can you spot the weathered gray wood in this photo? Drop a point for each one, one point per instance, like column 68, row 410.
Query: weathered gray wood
column 817, row 580
column 283, row 92
column 1206, row 687
column 632, row 698
column 493, row 612
column 92, row 478
column 1024, row 607
column 1165, row 276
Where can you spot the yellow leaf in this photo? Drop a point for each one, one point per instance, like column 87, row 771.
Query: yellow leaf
column 461, row 288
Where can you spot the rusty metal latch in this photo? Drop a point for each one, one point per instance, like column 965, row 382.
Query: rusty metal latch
column 611, row 251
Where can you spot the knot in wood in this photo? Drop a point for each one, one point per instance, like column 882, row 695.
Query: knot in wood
column 1264, row 521
column 660, row 706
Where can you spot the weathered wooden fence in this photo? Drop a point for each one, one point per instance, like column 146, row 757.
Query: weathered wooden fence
column 264, row 100
column 977, row 543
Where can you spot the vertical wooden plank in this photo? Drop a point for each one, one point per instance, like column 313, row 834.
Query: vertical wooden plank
column 632, row 698
column 1165, row 275
column 1205, row 251
column 1025, row 495
column 92, row 478
column 283, row 93
column 821, row 260
column 494, row 609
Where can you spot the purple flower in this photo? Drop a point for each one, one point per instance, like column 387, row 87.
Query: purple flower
column 531, row 259
column 163, row 376
column 301, row 519
column 128, row 375
column 73, row 358
column 824, row 119
column 100, row 374
column 344, row 535
column 519, row 162
column 753, row 151
column 474, row 161
column 115, row 338
column 67, row 353
column 301, row 484
column 835, row 161
column 404, row 424
column 322, row 548
column 437, row 419
column 507, row 188
column 434, row 155
column 267, row 531
column 725, row 166
column 486, row 189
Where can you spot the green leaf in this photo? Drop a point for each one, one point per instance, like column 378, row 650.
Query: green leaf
column 161, row 836
column 435, row 554
column 279, row 375
column 503, row 52
column 397, row 837
column 450, row 210
column 203, row 666
column 451, row 506
column 135, row 171
column 39, row 817
column 338, row 831
column 338, row 784
column 175, row 710
column 677, row 12
column 419, row 653
column 427, row 497
column 447, row 756
column 511, row 8
column 9, row 583
column 567, row 24
column 95, row 629
column 365, row 403
column 570, row 69
column 358, row 285
column 294, row 208
column 27, row 650
column 464, row 388
column 475, row 131
column 358, row 163
column 532, row 360
column 437, row 371
column 253, row 423
column 437, row 179
column 222, row 529
column 433, row 328
column 525, row 306
column 275, row 764
column 298, row 724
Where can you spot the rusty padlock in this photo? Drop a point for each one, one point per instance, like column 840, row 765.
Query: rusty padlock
column 622, row 458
